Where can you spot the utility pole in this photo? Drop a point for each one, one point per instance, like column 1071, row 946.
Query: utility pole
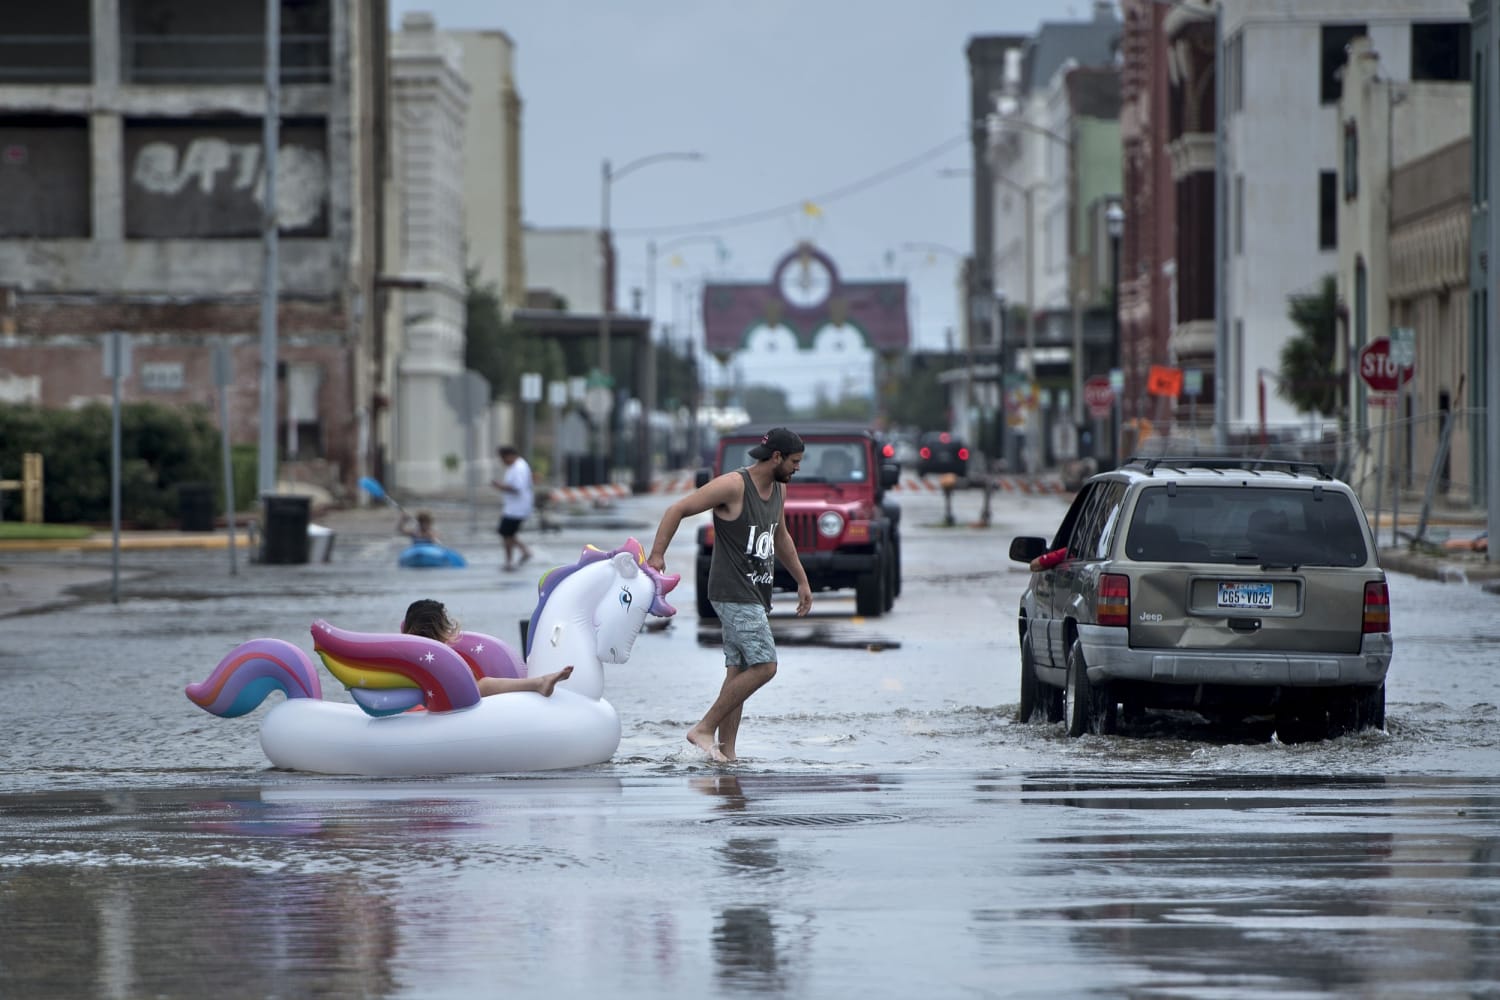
column 270, row 140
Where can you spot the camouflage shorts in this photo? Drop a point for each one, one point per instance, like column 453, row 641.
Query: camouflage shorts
column 747, row 634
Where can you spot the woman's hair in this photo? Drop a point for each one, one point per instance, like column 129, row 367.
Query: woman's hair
column 430, row 619
column 424, row 519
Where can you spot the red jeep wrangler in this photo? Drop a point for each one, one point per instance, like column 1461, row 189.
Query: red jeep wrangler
column 846, row 530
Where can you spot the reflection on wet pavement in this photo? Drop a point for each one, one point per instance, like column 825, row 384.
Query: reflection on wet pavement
column 991, row 882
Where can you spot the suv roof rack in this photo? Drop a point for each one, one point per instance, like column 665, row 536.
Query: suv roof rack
column 1229, row 464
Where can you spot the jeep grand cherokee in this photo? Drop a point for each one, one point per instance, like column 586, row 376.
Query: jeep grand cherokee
column 1232, row 588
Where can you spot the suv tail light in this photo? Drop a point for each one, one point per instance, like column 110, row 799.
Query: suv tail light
column 1114, row 600
column 963, row 454
column 926, row 452
column 1377, row 607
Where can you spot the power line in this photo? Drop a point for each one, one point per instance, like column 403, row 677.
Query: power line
column 837, row 194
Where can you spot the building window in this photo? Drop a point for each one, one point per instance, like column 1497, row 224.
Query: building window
column 1239, row 213
column 1440, row 51
column 1236, row 82
column 1336, row 39
column 161, row 376
column 45, row 178
column 188, row 41
column 46, row 42
column 1479, row 129
column 1351, row 160
column 1237, row 351
column 1328, row 210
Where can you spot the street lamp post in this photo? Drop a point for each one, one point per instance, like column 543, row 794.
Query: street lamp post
column 1114, row 217
column 608, row 175
column 644, row 459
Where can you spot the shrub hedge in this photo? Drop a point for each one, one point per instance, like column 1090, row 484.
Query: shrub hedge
column 161, row 448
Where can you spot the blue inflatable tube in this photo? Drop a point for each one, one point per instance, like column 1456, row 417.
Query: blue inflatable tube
column 426, row 555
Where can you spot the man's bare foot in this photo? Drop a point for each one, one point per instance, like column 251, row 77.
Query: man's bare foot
column 705, row 742
column 727, row 751
column 548, row 682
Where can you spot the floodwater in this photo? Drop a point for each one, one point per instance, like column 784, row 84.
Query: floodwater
column 890, row 831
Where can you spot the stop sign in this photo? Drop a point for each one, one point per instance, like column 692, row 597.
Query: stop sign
column 1099, row 396
column 1379, row 369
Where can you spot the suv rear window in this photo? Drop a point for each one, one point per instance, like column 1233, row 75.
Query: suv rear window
column 1234, row 525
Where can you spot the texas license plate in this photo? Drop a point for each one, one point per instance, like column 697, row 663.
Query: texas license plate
column 1251, row 596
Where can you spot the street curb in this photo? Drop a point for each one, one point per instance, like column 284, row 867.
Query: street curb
column 1448, row 570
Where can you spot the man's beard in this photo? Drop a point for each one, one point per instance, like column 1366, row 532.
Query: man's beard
column 783, row 473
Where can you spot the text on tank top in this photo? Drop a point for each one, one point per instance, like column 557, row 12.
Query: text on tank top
column 744, row 558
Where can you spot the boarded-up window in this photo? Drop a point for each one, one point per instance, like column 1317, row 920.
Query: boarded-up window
column 204, row 179
column 44, row 178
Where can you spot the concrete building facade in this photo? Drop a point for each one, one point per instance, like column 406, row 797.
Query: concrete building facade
column 131, row 158
column 440, row 428
column 1282, row 154
column 1054, row 162
column 493, row 231
column 1148, row 251
column 1402, row 190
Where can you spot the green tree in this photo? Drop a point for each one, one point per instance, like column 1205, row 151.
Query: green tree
column 502, row 351
column 1308, row 380
column 766, row 404
column 922, row 401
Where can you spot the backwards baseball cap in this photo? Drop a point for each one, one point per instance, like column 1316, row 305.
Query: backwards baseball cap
column 777, row 439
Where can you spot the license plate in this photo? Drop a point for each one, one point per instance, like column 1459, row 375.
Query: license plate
column 1251, row 596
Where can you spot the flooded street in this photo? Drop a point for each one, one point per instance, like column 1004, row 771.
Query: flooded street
column 891, row 831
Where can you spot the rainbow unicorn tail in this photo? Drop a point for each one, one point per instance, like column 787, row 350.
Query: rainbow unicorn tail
column 250, row 672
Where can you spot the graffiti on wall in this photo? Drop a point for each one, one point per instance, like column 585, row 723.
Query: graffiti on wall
column 213, row 184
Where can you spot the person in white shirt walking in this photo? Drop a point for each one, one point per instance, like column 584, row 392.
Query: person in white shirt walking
column 518, row 501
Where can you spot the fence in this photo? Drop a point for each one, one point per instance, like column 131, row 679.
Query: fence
column 1415, row 463
column 29, row 486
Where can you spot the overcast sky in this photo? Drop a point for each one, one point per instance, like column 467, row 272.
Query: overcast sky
column 787, row 100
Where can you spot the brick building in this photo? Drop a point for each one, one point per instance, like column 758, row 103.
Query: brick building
column 131, row 157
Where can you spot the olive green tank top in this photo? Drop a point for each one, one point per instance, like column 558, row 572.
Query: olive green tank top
column 744, row 560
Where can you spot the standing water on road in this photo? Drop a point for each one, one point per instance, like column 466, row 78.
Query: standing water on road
column 889, row 830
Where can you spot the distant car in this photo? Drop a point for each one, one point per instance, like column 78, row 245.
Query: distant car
column 1233, row 588
column 939, row 452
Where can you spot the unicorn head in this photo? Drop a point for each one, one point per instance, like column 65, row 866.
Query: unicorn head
column 590, row 613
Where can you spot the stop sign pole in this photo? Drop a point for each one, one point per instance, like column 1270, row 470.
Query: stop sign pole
column 1386, row 371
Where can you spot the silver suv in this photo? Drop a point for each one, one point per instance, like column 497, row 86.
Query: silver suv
column 1233, row 588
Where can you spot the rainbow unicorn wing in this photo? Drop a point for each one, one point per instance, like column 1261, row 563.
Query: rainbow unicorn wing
column 392, row 661
column 250, row 672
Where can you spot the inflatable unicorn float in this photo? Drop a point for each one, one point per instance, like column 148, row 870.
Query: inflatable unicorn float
column 587, row 614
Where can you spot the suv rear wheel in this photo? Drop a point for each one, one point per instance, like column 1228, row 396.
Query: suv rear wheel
column 1086, row 708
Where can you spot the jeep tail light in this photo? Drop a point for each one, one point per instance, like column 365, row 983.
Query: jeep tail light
column 926, row 452
column 963, row 454
column 1377, row 607
column 1114, row 599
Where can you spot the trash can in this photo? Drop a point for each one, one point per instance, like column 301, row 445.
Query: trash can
column 195, row 506
column 320, row 543
column 284, row 529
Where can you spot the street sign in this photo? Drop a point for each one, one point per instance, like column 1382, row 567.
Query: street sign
column 1379, row 368
column 1099, row 396
column 1404, row 346
column 531, row 387
column 1192, row 382
column 1163, row 380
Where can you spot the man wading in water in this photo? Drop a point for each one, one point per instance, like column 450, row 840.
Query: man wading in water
column 749, row 536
